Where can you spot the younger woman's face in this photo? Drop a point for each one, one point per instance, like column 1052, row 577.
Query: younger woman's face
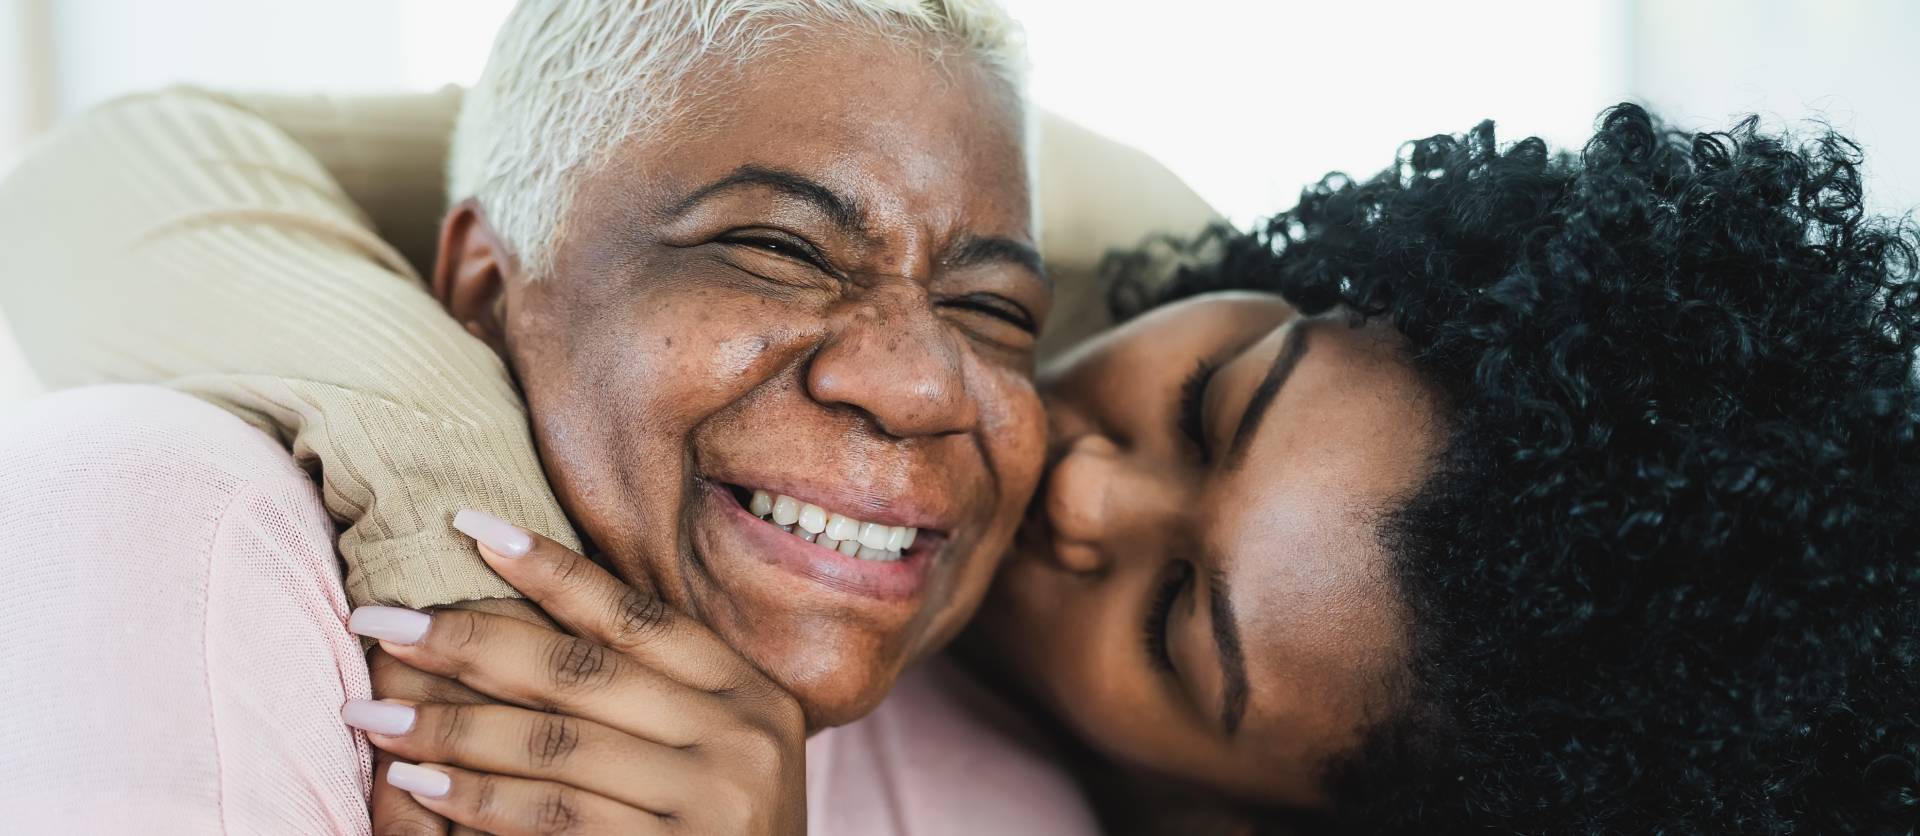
column 1199, row 593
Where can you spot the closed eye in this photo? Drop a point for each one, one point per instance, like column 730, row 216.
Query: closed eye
column 1160, row 612
column 998, row 307
column 781, row 245
column 1190, row 413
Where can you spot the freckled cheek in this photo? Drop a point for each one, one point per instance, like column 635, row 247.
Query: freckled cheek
column 1015, row 425
column 693, row 362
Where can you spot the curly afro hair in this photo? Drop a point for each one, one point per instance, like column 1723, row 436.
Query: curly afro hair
column 1666, row 575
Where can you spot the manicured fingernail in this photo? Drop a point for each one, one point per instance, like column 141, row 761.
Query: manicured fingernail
column 504, row 538
column 378, row 717
column 400, row 626
column 431, row 783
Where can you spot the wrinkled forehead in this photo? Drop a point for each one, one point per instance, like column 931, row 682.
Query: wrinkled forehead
column 935, row 142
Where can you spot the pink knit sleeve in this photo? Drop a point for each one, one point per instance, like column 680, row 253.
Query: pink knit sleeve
column 173, row 627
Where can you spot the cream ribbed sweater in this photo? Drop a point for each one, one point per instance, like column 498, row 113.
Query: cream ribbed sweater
column 219, row 246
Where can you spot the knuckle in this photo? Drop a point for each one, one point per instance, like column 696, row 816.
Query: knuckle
column 452, row 726
column 465, row 631
column 571, row 575
column 486, row 797
column 552, row 739
column 733, row 806
column 557, row 812
column 639, row 615
column 577, row 664
column 757, row 755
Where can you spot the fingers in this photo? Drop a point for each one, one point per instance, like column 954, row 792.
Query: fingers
column 392, row 678
column 515, row 662
column 590, row 602
column 395, row 812
column 511, row 806
column 530, row 744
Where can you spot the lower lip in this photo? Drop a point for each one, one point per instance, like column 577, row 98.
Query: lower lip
column 890, row 580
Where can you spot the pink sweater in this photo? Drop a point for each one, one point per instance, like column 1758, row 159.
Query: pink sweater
column 172, row 627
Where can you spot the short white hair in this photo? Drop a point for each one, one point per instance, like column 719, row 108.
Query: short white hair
column 569, row 81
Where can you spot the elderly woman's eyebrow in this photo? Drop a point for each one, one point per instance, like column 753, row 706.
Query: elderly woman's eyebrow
column 845, row 211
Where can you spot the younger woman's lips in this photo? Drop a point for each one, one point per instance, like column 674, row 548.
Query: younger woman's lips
column 890, row 581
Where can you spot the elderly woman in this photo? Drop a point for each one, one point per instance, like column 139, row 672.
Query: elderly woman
column 719, row 248
column 1502, row 490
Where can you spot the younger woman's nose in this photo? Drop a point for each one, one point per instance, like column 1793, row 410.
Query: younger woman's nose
column 1103, row 504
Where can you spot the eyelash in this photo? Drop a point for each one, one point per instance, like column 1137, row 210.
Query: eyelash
column 783, row 247
column 1192, row 398
column 1160, row 612
column 1020, row 319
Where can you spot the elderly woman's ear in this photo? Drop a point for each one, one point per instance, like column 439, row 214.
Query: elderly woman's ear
column 472, row 273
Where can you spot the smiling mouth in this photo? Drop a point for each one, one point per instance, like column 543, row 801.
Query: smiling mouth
column 851, row 537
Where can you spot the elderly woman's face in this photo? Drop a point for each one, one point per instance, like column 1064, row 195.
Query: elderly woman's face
column 1201, row 593
column 817, row 282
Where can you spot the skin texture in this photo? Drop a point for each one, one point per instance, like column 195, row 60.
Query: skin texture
column 1131, row 502
column 871, row 361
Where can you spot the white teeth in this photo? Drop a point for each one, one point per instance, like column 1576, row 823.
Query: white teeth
column 813, row 518
column 786, row 510
column 839, row 532
column 843, row 527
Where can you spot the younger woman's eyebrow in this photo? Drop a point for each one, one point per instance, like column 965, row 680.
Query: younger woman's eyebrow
column 1291, row 350
column 1226, row 642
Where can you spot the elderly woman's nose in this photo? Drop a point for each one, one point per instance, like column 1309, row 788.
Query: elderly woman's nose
column 894, row 361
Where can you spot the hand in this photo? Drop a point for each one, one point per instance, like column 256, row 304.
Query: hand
column 394, row 811
column 641, row 722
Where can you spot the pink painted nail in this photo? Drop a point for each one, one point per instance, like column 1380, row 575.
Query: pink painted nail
column 400, row 626
column 431, row 783
column 378, row 717
column 504, row 538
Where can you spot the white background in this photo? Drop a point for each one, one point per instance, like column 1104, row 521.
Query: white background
column 1246, row 99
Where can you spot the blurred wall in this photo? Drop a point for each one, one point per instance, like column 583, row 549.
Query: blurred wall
column 1854, row 62
column 26, row 105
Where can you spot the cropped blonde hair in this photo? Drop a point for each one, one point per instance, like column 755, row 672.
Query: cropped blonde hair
column 568, row 81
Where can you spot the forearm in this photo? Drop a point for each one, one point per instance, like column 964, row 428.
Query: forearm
column 173, row 239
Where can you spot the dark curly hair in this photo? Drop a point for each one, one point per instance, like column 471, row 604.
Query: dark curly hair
column 1666, row 575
